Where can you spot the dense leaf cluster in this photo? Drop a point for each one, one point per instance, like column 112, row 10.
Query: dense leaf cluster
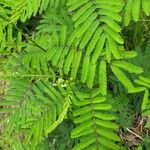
column 74, row 65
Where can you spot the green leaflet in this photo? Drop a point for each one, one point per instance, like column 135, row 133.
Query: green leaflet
column 44, row 5
column 29, row 13
column 68, row 61
column 63, row 35
column 19, row 39
column 84, row 144
column 145, row 99
column 56, row 3
column 91, row 75
column 77, row 4
column 136, row 90
column 147, row 124
column 146, row 6
column 62, row 57
column 143, row 83
column 76, row 63
column 72, row 37
column 136, row 9
column 108, row 134
column 57, row 55
column 129, row 54
column 93, row 41
column 82, row 127
column 110, row 2
column 83, row 118
column 98, row 49
column 102, row 107
column 77, row 41
column 127, row 66
column 9, row 32
column 94, row 146
column 43, row 63
column 85, row 68
column 109, row 7
column 70, row 2
column 86, row 25
column 56, row 37
column 82, row 95
column 107, row 124
column 98, row 99
column 82, row 111
column 84, row 17
column 113, row 47
column 145, row 79
column 85, row 102
column 89, row 33
column 128, row 12
column 108, row 53
column 113, row 34
column 81, row 11
column 146, row 111
column 111, row 23
column 122, row 77
column 51, row 52
column 104, row 116
column 109, row 144
column 82, row 133
column 95, row 92
column 103, row 78
column 112, row 14
column 35, row 5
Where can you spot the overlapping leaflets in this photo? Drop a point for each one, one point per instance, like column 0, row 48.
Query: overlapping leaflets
column 94, row 123
column 133, row 8
column 76, row 48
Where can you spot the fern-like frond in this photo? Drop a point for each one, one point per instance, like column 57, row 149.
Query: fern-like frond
column 103, row 78
column 24, row 9
column 95, row 129
column 96, row 31
column 87, row 18
column 33, row 109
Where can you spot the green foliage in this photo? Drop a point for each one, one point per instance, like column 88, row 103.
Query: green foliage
column 95, row 127
column 71, row 81
column 132, row 10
